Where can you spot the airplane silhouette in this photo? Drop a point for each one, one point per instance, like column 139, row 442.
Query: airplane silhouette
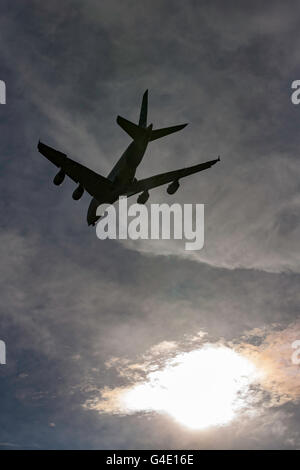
column 121, row 180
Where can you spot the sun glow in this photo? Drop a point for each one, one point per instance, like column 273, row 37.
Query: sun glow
column 202, row 388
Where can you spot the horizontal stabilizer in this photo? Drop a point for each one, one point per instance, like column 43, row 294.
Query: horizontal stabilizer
column 158, row 133
column 132, row 129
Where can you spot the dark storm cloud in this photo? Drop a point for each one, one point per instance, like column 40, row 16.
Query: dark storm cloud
column 70, row 304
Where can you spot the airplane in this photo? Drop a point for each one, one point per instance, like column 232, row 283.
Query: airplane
column 121, row 181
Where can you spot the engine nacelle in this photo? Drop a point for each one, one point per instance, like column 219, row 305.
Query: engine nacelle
column 77, row 194
column 143, row 198
column 58, row 179
column 172, row 188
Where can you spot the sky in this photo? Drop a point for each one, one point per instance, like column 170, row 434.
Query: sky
column 96, row 330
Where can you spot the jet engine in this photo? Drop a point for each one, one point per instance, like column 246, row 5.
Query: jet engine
column 143, row 198
column 58, row 179
column 172, row 188
column 78, row 193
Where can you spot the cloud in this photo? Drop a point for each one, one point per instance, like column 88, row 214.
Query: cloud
column 72, row 305
column 281, row 376
column 263, row 374
column 252, row 204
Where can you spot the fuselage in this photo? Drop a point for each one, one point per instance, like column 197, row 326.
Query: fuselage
column 122, row 174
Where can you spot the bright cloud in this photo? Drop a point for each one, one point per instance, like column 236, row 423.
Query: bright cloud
column 208, row 384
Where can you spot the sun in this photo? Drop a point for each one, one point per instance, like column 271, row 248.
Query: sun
column 198, row 389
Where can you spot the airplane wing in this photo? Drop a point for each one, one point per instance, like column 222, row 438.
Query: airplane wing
column 163, row 178
column 94, row 184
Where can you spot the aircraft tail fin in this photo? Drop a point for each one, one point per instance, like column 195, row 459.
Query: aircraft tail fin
column 139, row 131
column 144, row 110
column 132, row 129
column 158, row 133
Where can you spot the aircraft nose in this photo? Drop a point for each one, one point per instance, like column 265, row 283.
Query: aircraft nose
column 93, row 221
column 91, row 214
